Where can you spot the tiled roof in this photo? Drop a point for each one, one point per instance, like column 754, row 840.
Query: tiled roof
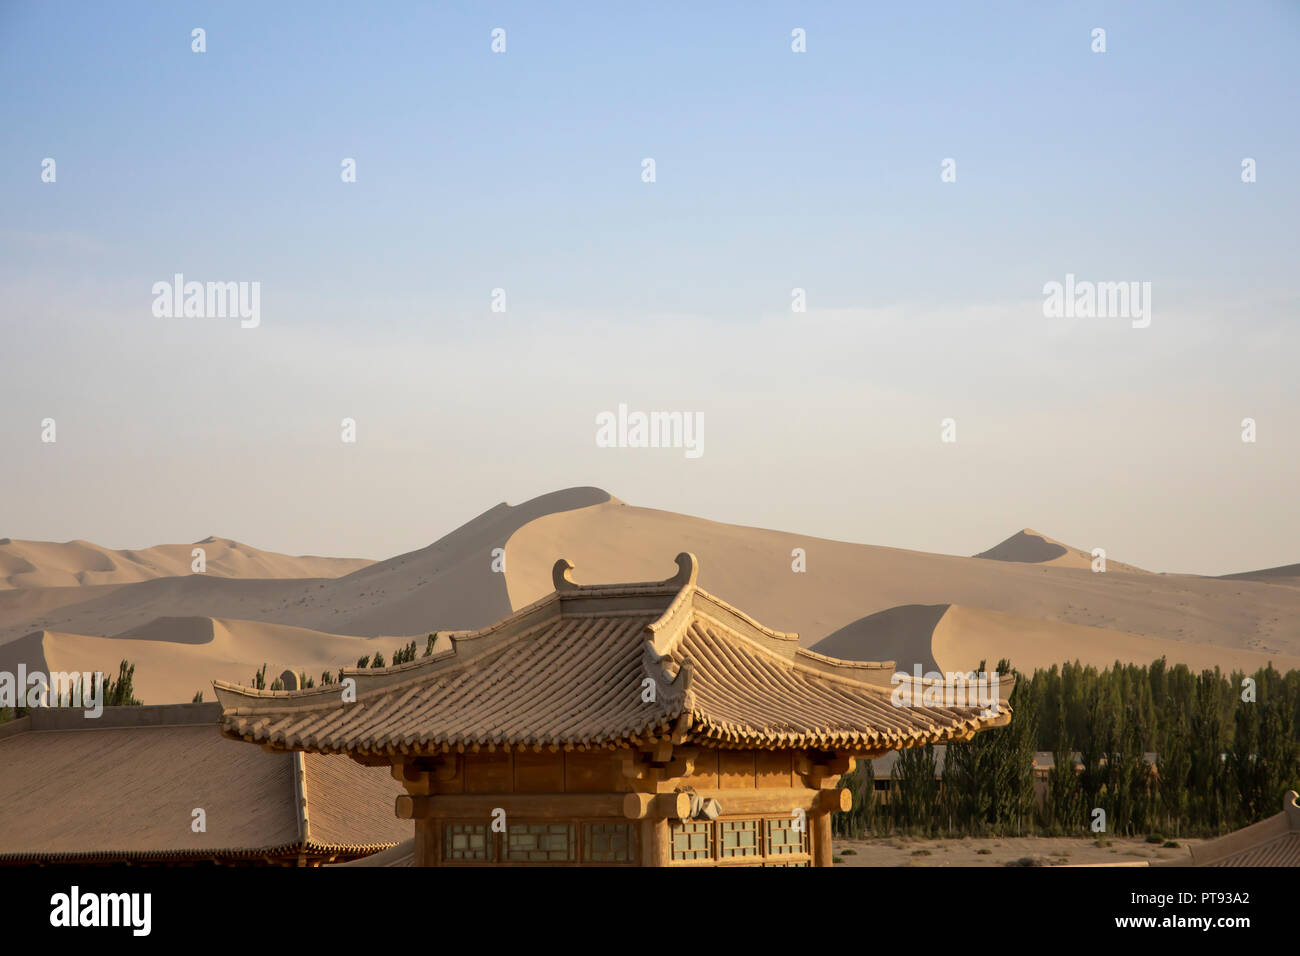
column 401, row 855
column 606, row 666
column 125, row 787
column 1271, row 842
column 1284, row 851
column 1046, row 759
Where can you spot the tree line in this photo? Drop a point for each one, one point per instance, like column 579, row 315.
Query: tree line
column 117, row 692
column 1224, row 749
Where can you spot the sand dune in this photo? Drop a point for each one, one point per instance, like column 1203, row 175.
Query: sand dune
column 966, row 635
column 174, row 657
column 449, row 584
column 846, row 582
column 904, row 635
column 1030, row 547
column 1287, row 576
column 957, row 638
column 107, row 610
column 1033, row 608
column 49, row 564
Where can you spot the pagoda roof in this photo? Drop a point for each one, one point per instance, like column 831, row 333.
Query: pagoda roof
column 602, row 667
column 1274, row 841
column 121, row 788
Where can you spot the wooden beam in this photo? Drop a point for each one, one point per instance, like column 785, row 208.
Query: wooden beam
column 834, row 801
column 531, row 806
column 672, row 806
column 680, row 766
column 783, row 800
column 839, row 764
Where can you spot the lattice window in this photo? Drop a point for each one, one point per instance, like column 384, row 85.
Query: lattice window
column 791, row 863
column 783, row 839
column 737, row 838
column 466, row 842
column 692, row 841
column 609, row 843
column 540, row 842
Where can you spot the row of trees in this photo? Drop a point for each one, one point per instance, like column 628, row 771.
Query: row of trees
column 1224, row 748
column 118, row 692
column 402, row 655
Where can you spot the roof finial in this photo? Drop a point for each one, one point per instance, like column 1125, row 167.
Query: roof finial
column 560, row 575
column 688, row 569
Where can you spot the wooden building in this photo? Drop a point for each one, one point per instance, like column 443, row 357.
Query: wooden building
column 160, row 786
column 1274, row 841
column 643, row 724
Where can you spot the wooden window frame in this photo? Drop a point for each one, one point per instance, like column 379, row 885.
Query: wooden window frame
column 763, row 858
column 498, row 845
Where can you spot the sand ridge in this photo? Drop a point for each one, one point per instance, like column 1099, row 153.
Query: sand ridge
column 951, row 638
column 50, row 564
column 1029, row 547
column 846, row 582
column 174, row 657
column 866, row 602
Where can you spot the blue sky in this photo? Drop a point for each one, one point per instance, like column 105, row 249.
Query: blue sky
column 774, row 170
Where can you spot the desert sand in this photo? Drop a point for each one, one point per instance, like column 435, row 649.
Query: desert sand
column 49, row 564
column 175, row 657
column 1007, row 851
column 845, row 584
column 1028, row 602
column 1030, row 547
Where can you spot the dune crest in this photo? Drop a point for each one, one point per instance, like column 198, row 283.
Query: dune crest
column 1028, row 546
column 967, row 635
column 49, row 564
column 174, row 657
column 950, row 638
column 845, row 582
column 1288, row 575
column 867, row 602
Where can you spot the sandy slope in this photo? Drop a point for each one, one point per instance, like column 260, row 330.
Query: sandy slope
column 846, row 582
column 49, row 564
column 902, row 634
column 966, row 635
column 106, row 610
column 174, row 657
column 1030, row 547
column 1007, row 851
column 166, row 627
column 873, row 602
column 956, row 638
column 1287, row 576
column 449, row 584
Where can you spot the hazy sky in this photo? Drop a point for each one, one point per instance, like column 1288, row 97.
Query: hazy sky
column 774, row 170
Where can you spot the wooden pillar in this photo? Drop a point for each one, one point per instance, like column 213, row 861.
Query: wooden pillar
column 655, row 842
column 819, row 821
column 428, row 842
